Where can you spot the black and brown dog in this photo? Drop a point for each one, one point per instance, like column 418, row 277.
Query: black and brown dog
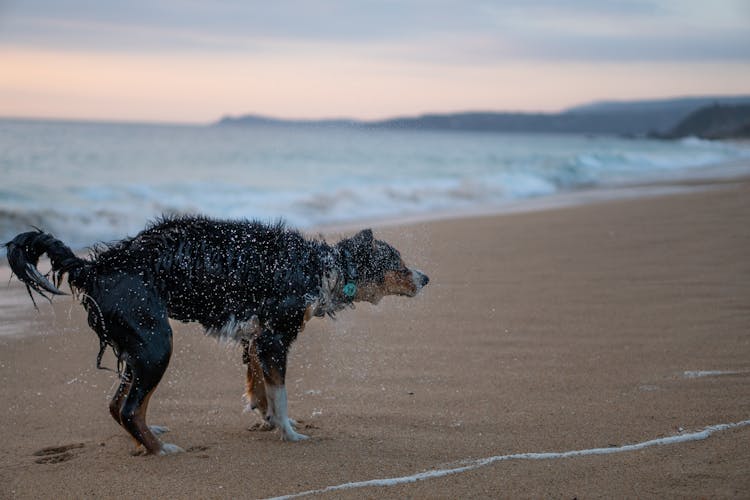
column 242, row 280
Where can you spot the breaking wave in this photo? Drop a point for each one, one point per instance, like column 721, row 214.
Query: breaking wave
column 97, row 182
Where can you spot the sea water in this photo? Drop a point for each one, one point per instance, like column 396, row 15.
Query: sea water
column 90, row 182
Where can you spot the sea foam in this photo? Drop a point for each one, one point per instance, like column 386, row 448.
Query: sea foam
column 99, row 182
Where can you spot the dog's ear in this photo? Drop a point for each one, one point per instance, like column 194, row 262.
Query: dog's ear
column 359, row 245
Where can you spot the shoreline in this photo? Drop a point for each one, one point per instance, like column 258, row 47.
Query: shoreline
column 419, row 202
column 738, row 174
column 558, row 201
column 713, row 176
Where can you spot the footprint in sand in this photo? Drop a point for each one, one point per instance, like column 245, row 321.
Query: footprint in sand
column 56, row 454
column 197, row 448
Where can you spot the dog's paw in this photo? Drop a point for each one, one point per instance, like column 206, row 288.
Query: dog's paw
column 158, row 430
column 169, row 449
column 261, row 427
column 139, row 451
column 292, row 436
column 300, row 424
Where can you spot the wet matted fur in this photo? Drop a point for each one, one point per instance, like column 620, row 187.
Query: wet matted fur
column 242, row 280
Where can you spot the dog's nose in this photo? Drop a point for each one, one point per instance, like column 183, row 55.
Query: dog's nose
column 420, row 278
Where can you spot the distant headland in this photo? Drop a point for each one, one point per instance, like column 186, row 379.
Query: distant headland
column 718, row 117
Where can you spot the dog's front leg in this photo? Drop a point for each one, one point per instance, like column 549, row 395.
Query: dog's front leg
column 255, row 387
column 272, row 354
column 278, row 417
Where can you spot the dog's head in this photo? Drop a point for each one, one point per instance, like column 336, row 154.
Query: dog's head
column 380, row 271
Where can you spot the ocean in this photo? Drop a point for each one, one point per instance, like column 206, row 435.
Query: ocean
column 92, row 182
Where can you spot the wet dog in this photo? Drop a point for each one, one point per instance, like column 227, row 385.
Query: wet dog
column 244, row 281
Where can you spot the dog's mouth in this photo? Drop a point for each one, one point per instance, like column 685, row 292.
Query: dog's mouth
column 404, row 283
column 407, row 284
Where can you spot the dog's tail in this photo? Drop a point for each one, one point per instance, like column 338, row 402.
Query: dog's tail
column 23, row 255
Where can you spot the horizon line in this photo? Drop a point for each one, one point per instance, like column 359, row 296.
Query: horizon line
column 239, row 115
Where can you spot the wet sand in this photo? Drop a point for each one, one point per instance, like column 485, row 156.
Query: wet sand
column 583, row 327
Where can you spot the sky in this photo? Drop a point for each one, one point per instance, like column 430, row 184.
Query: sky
column 194, row 61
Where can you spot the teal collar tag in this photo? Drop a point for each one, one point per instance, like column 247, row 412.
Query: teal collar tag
column 349, row 290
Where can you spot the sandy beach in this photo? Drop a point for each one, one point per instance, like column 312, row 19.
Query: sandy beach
column 578, row 328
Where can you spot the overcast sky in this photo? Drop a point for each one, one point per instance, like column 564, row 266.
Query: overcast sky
column 193, row 61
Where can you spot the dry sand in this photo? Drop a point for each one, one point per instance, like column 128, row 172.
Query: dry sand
column 551, row 331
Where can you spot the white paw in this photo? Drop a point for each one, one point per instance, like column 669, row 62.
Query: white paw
column 292, row 436
column 169, row 449
column 158, row 429
column 293, row 423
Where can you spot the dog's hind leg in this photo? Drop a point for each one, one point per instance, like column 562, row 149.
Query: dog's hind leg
column 147, row 362
column 115, row 405
column 272, row 355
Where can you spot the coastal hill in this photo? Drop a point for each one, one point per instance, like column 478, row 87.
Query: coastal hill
column 633, row 118
column 714, row 122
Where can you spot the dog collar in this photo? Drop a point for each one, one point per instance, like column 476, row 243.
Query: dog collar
column 349, row 290
column 350, row 268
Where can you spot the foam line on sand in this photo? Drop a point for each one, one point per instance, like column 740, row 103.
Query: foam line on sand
column 710, row 373
column 475, row 464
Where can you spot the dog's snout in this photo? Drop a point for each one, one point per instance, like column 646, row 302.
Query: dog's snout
column 420, row 278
